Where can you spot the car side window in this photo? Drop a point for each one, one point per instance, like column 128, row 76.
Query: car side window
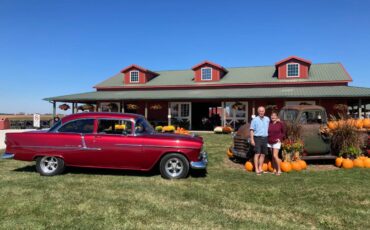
column 78, row 126
column 114, row 126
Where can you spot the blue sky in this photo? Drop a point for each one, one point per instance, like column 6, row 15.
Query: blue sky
column 51, row 48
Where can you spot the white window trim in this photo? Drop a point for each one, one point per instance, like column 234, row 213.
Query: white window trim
column 201, row 74
column 138, row 76
column 292, row 63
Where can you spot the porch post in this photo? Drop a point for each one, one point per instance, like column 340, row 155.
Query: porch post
column 253, row 107
column 122, row 106
column 223, row 113
column 169, row 113
column 359, row 108
column 146, row 110
column 73, row 107
column 54, row 109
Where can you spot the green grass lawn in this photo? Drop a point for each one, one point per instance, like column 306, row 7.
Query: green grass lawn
column 228, row 197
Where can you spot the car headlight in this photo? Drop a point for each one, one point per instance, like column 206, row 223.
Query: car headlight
column 202, row 153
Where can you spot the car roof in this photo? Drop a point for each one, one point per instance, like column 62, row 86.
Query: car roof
column 96, row 115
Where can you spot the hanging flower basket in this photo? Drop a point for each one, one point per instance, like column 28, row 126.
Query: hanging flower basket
column 132, row 106
column 156, row 107
column 237, row 106
column 86, row 107
column 272, row 107
column 111, row 106
column 64, row 107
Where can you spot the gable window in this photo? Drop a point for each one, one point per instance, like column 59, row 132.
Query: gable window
column 206, row 74
column 293, row 70
column 134, row 76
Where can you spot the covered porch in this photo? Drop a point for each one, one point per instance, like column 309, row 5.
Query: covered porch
column 201, row 109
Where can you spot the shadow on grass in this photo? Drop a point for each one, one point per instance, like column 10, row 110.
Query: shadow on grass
column 111, row 172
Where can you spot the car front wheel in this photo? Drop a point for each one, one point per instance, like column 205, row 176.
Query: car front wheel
column 174, row 166
column 49, row 165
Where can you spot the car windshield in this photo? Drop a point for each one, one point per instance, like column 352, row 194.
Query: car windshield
column 143, row 126
column 55, row 126
column 288, row 114
column 312, row 117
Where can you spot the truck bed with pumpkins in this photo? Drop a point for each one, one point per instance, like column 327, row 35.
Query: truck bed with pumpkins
column 322, row 139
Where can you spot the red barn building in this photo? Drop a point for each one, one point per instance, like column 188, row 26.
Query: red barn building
column 209, row 94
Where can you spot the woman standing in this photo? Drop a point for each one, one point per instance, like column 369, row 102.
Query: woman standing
column 276, row 133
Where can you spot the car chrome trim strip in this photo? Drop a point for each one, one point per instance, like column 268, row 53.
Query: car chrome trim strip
column 56, row 147
column 156, row 146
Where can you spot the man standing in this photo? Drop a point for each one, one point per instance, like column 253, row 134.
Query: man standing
column 258, row 134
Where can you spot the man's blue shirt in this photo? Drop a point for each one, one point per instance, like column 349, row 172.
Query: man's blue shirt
column 260, row 126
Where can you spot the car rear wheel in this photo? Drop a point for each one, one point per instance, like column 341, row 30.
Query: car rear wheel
column 49, row 165
column 174, row 166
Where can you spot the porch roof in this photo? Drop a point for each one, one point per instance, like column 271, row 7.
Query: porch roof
column 235, row 93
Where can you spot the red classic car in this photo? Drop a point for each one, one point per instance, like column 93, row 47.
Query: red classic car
column 107, row 140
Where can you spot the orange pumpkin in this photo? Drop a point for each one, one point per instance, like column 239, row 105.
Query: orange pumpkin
column 229, row 153
column 249, row 166
column 340, row 123
column 296, row 166
column 351, row 122
column 366, row 123
column 347, row 164
column 359, row 124
column 264, row 167
column 332, row 124
column 358, row 163
column 303, row 164
column 338, row 161
column 366, row 162
column 285, row 166
column 270, row 167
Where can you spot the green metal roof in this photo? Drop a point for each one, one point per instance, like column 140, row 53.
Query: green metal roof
column 235, row 75
column 236, row 93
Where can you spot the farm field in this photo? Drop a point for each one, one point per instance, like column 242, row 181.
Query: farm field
column 228, row 197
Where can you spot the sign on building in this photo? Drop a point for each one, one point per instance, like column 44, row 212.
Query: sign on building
column 36, row 120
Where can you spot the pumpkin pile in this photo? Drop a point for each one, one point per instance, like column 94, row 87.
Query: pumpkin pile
column 347, row 163
column 357, row 123
column 285, row 166
column 223, row 130
column 181, row 131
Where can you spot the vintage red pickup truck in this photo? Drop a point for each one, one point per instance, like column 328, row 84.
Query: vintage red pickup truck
column 107, row 140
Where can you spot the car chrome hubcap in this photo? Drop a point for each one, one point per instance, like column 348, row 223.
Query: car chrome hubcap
column 49, row 164
column 174, row 167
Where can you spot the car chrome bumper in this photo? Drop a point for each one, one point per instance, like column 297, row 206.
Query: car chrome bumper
column 202, row 163
column 7, row 156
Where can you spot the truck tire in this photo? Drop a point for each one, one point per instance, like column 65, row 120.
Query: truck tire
column 49, row 165
column 174, row 166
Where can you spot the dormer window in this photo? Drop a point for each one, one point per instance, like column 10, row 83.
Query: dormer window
column 134, row 76
column 293, row 70
column 206, row 74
